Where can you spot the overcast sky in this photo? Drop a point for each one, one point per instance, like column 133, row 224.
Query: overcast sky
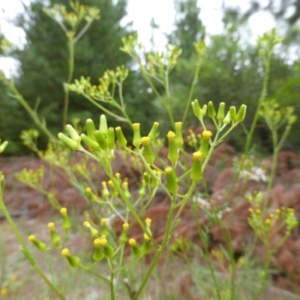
column 141, row 12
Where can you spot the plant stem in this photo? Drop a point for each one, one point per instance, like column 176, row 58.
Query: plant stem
column 166, row 105
column 108, row 112
column 169, row 228
column 25, row 249
column 273, row 167
column 112, row 288
column 159, row 251
column 206, row 250
column 94, row 273
column 144, row 72
column 262, row 97
column 264, row 279
column 25, row 105
column 71, row 46
column 191, row 93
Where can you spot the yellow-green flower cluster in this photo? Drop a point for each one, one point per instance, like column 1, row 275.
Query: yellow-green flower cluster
column 102, row 248
column 147, row 236
column 193, row 139
column 265, row 225
column 55, row 238
column 220, row 117
column 32, row 177
column 102, row 91
column 100, row 141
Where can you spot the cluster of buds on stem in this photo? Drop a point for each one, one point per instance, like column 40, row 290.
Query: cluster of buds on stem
column 221, row 118
column 55, row 238
column 100, row 141
column 139, row 250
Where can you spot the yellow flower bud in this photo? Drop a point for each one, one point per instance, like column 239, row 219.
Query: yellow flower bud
column 65, row 252
column 125, row 226
column 132, row 242
column 136, row 135
column 51, row 225
column 207, row 134
column 3, row 291
column 97, row 242
column 147, row 151
column 196, row 171
column 73, row 260
column 86, row 224
column 66, row 222
column 63, row 211
column 146, row 237
column 31, row 238
column 120, row 137
column 103, row 242
column 145, row 140
column 171, row 135
column 172, row 185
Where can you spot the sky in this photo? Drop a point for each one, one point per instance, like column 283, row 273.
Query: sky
column 140, row 12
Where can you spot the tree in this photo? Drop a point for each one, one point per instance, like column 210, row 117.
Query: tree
column 188, row 26
column 232, row 72
column 286, row 10
column 43, row 61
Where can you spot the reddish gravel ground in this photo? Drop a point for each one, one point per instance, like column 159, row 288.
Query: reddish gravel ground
column 26, row 202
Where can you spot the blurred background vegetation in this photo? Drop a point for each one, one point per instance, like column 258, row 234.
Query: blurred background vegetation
column 232, row 71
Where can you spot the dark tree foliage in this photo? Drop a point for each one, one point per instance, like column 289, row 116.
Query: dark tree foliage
column 232, row 72
column 44, row 68
column 43, row 61
column 188, row 26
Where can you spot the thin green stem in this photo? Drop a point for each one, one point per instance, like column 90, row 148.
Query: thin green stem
column 144, row 72
column 170, row 114
column 167, row 85
column 121, row 261
column 25, row 105
column 191, row 93
column 274, row 166
column 159, row 251
column 276, row 148
column 263, row 281
column 120, row 85
column 262, row 97
column 94, row 273
column 207, row 258
column 112, row 274
column 82, row 31
column 108, row 112
column 71, row 46
column 167, row 89
column 26, row 251
column 109, row 173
